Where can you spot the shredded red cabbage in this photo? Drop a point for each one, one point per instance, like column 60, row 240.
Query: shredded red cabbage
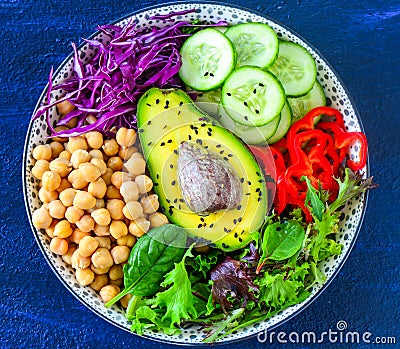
column 110, row 84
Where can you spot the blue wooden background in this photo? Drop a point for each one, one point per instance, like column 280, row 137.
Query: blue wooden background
column 361, row 41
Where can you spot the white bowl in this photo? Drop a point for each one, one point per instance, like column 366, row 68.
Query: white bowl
column 337, row 97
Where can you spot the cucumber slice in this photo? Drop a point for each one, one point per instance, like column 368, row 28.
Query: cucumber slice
column 207, row 59
column 302, row 105
column 295, row 68
column 249, row 134
column 256, row 44
column 252, row 96
column 284, row 124
column 209, row 102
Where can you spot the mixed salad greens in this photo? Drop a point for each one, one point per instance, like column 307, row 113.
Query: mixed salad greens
column 266, row 93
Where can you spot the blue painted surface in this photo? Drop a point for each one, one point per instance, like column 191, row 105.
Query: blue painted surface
column 361, row 41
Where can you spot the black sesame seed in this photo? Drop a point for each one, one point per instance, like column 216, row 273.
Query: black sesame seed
column 203, row 124
column 157, row 101
column 218, row 145
column 140, row 130
column 239, row 207
column 171, row 166
column 259, row 199
column 240, row 240
column 239, row 219
column 149, row 144
column 245, row 103
column 148, row 104
column 248, row 182
column 235, row 221
column 222, row 151
column 175, row 152
column 257, row 190
column 165, row 126
column 209, row 134
column 168, row 200
column 211, row 74
column 201, row 219
column 149, row 122
column 261, row 84
column 173, row 182
column 254, row 91
column 175, row 201
column 241, row 180
column 230, row 155
column 225, row 158
column 229, row 94
column 162, row 144
column 236, row 235
column 257, row 111
column 246, row 118
column 157, row 176
column 180, row 103
column 211, row 225
column 200, row 225
column 169, row 141
column 206, row 73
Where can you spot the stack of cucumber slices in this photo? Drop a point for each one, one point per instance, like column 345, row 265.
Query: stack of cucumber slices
column 253, row 83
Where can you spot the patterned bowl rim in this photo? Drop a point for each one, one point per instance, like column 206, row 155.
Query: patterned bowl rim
column 338, row 267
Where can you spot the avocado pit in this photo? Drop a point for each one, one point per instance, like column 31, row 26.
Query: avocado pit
column 208, row 182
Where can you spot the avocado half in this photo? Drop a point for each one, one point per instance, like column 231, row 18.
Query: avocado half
column 167, row 118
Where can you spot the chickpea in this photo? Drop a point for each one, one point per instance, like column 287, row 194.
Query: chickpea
column 157, row 219
column 42, row 152
column 139, row 227
column 78, row 235
column 94, row 139
column 150, row 203
column 72, row 123
column 127, row 240
column 126, row 153
column 73, row 214
column 90, row 119
column 110, row 147
column 65, row 184
column 135, row 165
column 51, row 180
column 100, row 203
column 99, row 271
column 77, row 142
column 58, row 246
column 86, row 223
column 65, row 154
column 84, row 200
column 98, row 188
column 99, row 282
column 96, row 154
column 120, row 254
column 117, row 282
column 109, row 292
column 100, row 164
column 65, row 107
column 47, row 196
column 89, row 171
column 56, row 209
column 50, row 230
column 144, row 184
column 126, row 137
column 60, row 139
column 125, row 300
column 129, row 191
column 67, row 196
column 61, row 166
column 77, row 179
column 137, row 155
column 67, row 257
column 107, row 176
column 79, row 156
column 84, row 276
column 63, row 229
column 119, row 177
column 101, row 216
column 78, row 261
column 132, row 210
column 102, row 258
column 118, row 229
column 115, row 163
column 116, row 272
column 87, row 246
column 40, row 167
column 115, row 206
column 113, row 193
column 41, row 218
column 56, row 149
column 104, row 241
column 101, row 230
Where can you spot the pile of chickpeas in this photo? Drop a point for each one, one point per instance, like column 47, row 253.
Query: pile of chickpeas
column 96, row 201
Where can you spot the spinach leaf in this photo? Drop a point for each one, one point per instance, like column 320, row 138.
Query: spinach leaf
column 281, row 240
column 151, row 258
column 314, row 201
